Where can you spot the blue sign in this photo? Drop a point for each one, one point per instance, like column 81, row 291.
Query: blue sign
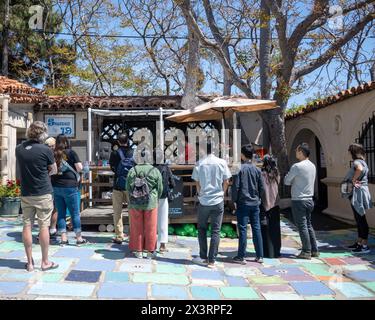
column 60, row 124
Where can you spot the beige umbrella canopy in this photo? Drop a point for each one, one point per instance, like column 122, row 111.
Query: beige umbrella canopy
column 222, row 107
column 219, row 108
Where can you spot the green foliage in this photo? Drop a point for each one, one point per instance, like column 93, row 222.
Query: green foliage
column 190, row 230
column 35, row 57
column 10, row 190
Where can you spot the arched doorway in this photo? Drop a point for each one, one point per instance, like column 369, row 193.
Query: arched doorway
column 318, row 158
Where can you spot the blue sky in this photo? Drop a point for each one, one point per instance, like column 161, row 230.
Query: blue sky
column 300, row 98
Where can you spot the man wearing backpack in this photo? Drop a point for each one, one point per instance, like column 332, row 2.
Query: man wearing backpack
column 145, row 187
column 121, row 161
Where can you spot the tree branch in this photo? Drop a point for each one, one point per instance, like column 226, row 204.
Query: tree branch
column 332, row 50
column 213, row 46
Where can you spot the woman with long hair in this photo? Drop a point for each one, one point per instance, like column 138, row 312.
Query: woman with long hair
column 360, row 199
column 65, row 186
column 270, row 210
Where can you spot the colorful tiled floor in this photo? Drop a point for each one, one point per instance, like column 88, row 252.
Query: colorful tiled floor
column 103, row 270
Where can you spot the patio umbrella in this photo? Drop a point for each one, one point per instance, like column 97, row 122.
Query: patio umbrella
column 222, row 107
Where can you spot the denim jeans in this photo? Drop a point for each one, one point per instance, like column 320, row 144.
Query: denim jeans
column 244, row 213
column 301, row 210
column 215, row 213
column 67, row 198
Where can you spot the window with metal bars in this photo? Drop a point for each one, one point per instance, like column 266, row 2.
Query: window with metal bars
column 366, row 137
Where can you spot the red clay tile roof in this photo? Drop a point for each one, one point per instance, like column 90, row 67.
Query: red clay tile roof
column 110, row 102
column 20, row 92
column 345, row 94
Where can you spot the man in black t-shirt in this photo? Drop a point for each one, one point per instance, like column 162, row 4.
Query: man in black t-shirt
column 36, row 162
column 119, row 196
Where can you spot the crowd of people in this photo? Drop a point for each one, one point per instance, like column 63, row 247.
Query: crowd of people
column 50, row 180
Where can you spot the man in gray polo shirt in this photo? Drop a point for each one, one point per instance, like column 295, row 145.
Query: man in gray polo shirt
column 212, row 174
column 302, row 179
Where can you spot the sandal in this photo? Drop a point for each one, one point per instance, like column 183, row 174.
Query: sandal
column 63, row 243
column 117, row 241
column 51, row 267
column 83, row 241
column 27, row 266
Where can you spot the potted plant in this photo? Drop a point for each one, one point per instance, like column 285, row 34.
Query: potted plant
column 10, row 200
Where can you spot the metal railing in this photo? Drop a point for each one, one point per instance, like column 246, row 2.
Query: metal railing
column 366, row 137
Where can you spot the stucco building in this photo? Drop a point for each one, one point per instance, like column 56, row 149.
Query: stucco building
column 330, row 126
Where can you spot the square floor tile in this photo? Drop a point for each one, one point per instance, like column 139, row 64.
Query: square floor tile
column 351, row 290
column 83, row 276
column 205, row 293
column 136, row 267
column 241, row 271
column 24, row 276
column 12, row 288
column 282, row 271
column 161, row 278
column 281, row 296
column 362, row 276
column 10, row 246
column 122, row 291
column 74, row 252
column 334, row 261
column 313, row 288
column 64, row 264
column 165, row 268
column 62, row 289
column 52, row 277
column 369, row 285
column 169, row 292
column 298, row 277
column 211, row 275
column 275, row 288
column 355, row 260
column 320, row 298
column 95, row 265
column 116, row 277
column 355, row 267
column 239, row 293
column 109, row 254
column 267, row 280
column 318, row 270
column 237, row 281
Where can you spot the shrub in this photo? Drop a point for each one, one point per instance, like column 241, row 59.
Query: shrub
column 11, row 189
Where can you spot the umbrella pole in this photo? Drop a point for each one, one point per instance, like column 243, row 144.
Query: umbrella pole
column 235, row 138
column 161, row 133
column 89, row 144
column 223, row 144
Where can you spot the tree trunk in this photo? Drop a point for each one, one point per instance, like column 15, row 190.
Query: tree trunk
column 5, row 36
column 189, row 99
column 372, row 72
column 276, row 123
column 227, row 90
column 264, row 64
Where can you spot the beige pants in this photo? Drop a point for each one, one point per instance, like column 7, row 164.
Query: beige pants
column 118, row 198
column 41, row 206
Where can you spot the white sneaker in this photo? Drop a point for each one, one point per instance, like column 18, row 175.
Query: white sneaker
column 138, row 254
column 361, row 250
column 151, row 255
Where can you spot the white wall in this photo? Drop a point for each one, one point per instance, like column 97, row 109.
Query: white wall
column 336, row 126
column 80, row 134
